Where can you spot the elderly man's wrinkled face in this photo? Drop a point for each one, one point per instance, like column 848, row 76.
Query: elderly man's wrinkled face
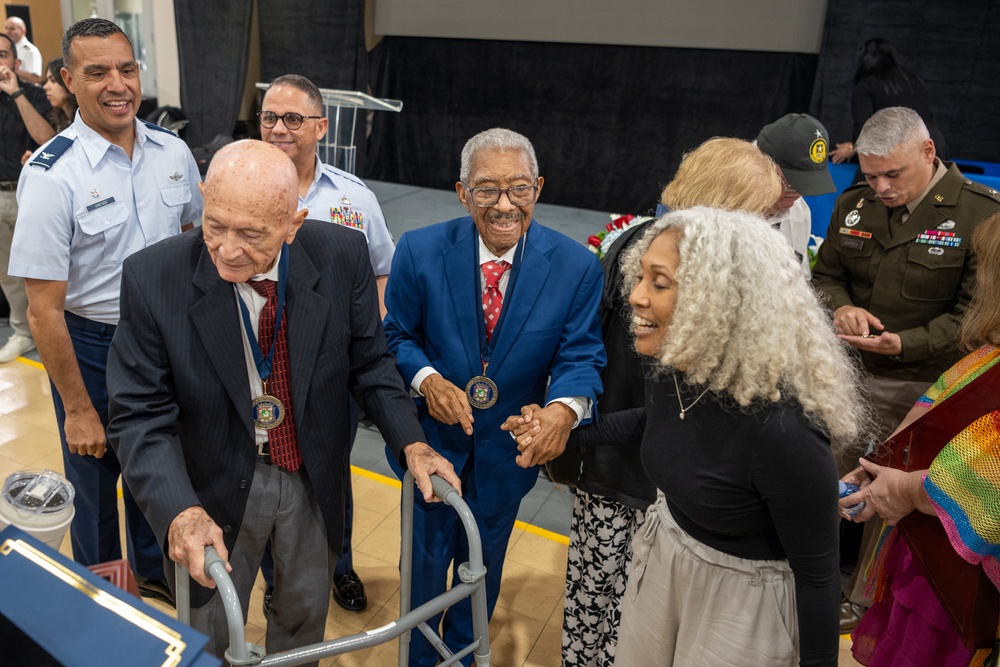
column 789, row 196
column 505, row 221
column 245, row 226
column 654, row 297
column 901, row 176
column 14, row 29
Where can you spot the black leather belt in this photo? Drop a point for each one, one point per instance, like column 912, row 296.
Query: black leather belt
column 8, row 186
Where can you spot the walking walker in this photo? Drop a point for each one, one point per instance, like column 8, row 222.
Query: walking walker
column 472, row 575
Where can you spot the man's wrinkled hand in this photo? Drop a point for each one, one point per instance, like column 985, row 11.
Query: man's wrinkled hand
column 85, row 433
column 555, row 422
column 422, row 461
column 447, row 403
column 190, row 532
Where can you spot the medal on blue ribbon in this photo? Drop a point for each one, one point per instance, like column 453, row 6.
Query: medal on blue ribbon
column 267, row 411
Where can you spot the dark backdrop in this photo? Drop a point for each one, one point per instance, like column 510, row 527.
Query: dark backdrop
column 609, row 123
column 953, row 45
column 213, row 45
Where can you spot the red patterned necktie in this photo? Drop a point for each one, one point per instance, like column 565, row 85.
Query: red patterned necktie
column 492, row 299
column 281, row 439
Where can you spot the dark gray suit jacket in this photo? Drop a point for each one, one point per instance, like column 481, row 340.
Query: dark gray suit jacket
column 180, row 399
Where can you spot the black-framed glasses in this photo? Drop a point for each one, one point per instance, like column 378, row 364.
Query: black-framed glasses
column 292, row 120
column 519, row 195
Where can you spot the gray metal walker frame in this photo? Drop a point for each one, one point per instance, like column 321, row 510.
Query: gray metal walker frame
column 473, row 584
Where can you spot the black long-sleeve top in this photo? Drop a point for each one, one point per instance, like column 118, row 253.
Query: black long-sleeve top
column 758, row 483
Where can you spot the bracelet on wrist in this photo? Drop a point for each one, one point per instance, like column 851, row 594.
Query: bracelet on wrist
column 17, row 93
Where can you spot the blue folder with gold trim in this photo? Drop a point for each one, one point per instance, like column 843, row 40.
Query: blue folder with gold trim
column 78, row 618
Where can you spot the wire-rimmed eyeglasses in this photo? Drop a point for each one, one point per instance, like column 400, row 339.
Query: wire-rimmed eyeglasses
column 519, row 195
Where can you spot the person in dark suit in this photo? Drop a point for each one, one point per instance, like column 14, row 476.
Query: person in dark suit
column 229, row 439
column 484, row 312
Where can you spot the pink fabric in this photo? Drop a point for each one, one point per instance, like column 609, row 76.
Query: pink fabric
column 908, row 627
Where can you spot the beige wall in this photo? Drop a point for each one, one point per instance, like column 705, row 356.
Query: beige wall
column 46, row 26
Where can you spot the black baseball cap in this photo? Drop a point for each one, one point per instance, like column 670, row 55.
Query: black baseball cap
column 799, row 143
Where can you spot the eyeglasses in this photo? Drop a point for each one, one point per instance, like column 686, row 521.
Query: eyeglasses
column 292, row 120
column 519, row 195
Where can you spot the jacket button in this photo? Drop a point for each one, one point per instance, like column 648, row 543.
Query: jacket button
column 243, row 484
column 228, row 528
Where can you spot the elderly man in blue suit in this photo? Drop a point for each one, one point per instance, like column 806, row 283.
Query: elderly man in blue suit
column 487, row 314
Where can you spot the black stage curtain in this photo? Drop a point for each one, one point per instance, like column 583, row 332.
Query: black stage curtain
column 322, row 40
column 609, row 123
column 213, row 44
column 953, row 45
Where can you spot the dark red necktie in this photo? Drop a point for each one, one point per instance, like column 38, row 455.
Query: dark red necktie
column 281, row 439
column 492, row 299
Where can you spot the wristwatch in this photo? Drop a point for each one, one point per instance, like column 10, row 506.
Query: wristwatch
column 17, row 93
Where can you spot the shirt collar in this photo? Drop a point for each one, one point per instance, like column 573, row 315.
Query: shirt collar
column 939, row 171
column 96, row 146
column 270, row 274
column 485, row 254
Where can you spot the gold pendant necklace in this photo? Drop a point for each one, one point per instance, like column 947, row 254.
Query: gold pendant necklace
column 683, row 409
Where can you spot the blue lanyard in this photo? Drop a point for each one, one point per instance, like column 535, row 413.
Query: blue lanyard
column 264, row 364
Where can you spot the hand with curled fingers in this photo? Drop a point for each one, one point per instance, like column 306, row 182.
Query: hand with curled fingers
column 423, row 461
column 554, row 423
column 890, row 493
column 447, row 403
column 524, row 426
column 85, row 433
column 190, row 532
column 855, row 321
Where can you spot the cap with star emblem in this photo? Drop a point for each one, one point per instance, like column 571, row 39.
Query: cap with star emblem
column 798, row 143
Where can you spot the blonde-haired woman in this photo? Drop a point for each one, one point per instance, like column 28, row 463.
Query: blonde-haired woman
column 748, row 386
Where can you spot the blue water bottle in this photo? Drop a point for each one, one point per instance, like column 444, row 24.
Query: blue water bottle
column 847, row 489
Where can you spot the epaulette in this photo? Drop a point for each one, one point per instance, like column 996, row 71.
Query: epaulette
column 51, row 152
column 154, row 126
column 335, row 171
column 979, row 188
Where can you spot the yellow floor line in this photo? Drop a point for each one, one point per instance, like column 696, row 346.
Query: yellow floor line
column 526, row 527
column 32, row 363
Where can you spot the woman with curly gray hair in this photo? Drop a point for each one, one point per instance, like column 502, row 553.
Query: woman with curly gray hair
column 748, row 388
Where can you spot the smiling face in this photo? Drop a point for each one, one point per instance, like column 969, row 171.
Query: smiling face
column 105, row 79
column 901, row 176
column 300, row 144
column 14, row 29
column 502, row 224
column 654, row 297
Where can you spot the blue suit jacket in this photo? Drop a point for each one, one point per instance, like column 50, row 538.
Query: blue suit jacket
column 550, row 328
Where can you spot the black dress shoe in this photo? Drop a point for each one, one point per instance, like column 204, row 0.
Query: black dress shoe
column 156, row 589
column 268, row 594
column 349, row 592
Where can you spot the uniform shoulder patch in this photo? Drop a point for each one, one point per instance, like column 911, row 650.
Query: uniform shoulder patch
column 154, row 126
column 51, row 152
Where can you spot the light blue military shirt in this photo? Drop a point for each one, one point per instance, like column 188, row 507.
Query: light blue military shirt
column 340, row 197
column 92, row 207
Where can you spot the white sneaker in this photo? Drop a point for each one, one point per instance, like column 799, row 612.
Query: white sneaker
column 15, row 346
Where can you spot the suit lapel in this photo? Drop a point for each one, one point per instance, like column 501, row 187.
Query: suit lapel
column 307, row 314
column 217, row 325
column 533, row 272
column 460, row 267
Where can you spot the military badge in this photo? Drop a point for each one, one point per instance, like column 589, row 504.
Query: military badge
column 947, row 224
column 935, row 251
column 852, row 218
column 817, row 150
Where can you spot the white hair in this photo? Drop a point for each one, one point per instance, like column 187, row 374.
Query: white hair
column 889, row 128
column 497, row 138
column 747, row 323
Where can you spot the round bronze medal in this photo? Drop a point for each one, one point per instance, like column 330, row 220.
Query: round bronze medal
column 482, row 392
column 268, row 412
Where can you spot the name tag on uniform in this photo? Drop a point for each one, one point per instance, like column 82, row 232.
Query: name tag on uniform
column 101, row 204
column 853, row 243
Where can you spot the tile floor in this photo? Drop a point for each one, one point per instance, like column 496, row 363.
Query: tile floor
column 524, row 631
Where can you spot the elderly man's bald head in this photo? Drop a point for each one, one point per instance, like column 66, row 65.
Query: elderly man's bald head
column 251, row 197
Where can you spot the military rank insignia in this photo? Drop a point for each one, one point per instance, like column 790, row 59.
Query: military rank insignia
column 347, row 216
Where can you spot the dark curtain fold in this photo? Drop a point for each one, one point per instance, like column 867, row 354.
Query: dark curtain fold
column 213, row 44
column 324, row 41
column 609, row 123
column 953, row 45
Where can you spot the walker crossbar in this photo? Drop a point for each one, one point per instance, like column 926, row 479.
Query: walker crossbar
column 473, row 585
